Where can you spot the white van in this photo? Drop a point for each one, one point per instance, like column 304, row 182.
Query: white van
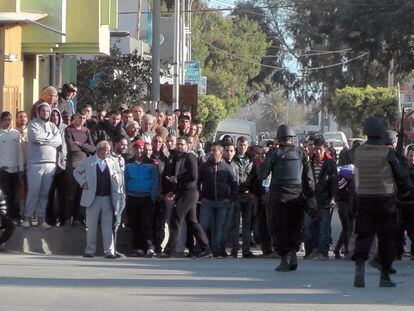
column 330, row 136
column 236, row 128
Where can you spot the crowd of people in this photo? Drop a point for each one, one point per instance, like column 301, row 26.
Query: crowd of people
column 76, row 166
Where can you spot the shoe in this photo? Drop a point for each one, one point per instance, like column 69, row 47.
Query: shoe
column 385, row 281
column 224, row 254
column 273, row 255
column 359, row 280
column 249, row 255
column 313, row 254
column 163, row 255
column 110, row 256
column 321, row 257
column 234, row 254
column 150, row 253
column 337, row 255
column 392, row 271
column 45, row 225
column 119, row 255
column 217, row 256
column 203, row 254
column 25, row 224
column 86, row 255
column 284, row 265
column 293, row 261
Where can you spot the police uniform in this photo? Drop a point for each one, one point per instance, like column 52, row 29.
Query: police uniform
column 292, row 181
column 377, row 172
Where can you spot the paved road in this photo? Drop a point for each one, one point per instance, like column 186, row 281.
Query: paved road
column 41, row 282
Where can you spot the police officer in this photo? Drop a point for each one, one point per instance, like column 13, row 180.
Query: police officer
column 292, row 182
column 377, row 175
column 6, row 223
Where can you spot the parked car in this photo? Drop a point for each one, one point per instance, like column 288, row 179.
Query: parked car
column 236, row 128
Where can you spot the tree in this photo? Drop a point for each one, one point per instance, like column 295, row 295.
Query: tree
column 352, row 105
column 210, row 110
column 224, row 46
column 111, row 80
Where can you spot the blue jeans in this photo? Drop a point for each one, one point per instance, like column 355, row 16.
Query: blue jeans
column 244, row 206
column 318, row 233
column 227, row 226
column 213, row 216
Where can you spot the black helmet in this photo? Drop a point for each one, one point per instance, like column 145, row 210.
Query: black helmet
column 285, row 131
column 391, row 137
column 374, row 127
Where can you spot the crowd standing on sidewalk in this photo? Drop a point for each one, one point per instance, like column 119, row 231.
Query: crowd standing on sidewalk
column 79, row 165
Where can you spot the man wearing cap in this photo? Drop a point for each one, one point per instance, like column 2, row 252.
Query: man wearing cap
column 141, row 184
column 44, row 139
column 292, row 181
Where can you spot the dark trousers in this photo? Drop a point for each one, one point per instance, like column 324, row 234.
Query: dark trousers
column 265, row 229
column 346, row 219
column 73, row 209
column 160, row 218
column 9, row 185
column 140, row 211
column 57, row 211
column 8, row 226
column 405, row 223
column 287, row 218
column 376, row 215
column 185, row 209
column 243, row 208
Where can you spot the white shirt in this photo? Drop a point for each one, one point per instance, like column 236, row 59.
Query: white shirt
column 11, row 154
column 101, row 163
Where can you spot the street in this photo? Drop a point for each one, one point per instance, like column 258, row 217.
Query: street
column 41, row 282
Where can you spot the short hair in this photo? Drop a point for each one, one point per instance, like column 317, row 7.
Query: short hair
column 147, row 118
column 410, row 148
column 242, row 139
column 217, row 144
column 229, row 145
column 127, row 111
column 157, row 136
column 5, row 114
column 113, row 112
column 102, row 144
column 183, row 117
column 118, row 138
column 132, row 122
column 196, row 121
column 171, row 136
column 78, row 111
column 21, row 111
column 185, row 138
column 87, row 106
column 100, row 109
column 319, row 142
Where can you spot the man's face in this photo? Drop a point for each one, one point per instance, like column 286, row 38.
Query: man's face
column 160, row 117
column 122, row 146
column 114, row 119
column 51, row 97
column 199, row 129
column 126, row 117
column 184, row 124
column 242, row 147
column 229, row 152
column 101, row 115
column 54, row 117
column 103, row 152
column 190, row 142
column 22, row 119
column 193, row 130
column 6, row 122
column 139, row 151
column 137, row 113
column 88, row 112
column 217, row 152
column 319, row 152
column 410, row 157
column 146, row 126
column 169, row 120
column 79, row 119
column 132, row 130
column 182, row 146
column 157, row 143
column 44, row 112
column 258, row 153
column 148, row 150
column 171, row 142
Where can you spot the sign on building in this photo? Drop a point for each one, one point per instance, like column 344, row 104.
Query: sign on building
column 192, row 72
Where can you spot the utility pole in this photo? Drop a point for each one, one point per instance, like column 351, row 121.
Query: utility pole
column 176, row 75
column 155, row 90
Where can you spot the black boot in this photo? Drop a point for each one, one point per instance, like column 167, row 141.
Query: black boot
column 359, row 280
column 284, row 265
column 293, row 260
column 385, row 280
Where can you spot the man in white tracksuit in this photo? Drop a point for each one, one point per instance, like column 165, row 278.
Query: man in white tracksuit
column 44, row 142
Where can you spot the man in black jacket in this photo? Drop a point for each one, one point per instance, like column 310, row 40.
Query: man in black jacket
column 219, row 190
column 109, row 129
column 6, row 223
column 318, row 232
column 185, row 194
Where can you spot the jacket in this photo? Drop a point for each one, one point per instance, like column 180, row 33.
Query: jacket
column 186, row 172
column 44, row 139
column 242, row 171
column 327, row 182
column 61, row 150
column 11, row 151
column 86, row 173
column 105, row 131
column 217, row 180
column 141, row 179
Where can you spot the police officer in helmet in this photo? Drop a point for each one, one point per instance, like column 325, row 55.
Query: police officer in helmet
column 378, row 173
column 292, row 182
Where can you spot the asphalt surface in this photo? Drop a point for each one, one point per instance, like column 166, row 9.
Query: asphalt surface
column 42, row 282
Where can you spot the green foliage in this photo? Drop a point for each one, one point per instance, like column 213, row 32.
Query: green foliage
column 210, row 110
column 107, row 81
column 224, row 46
column 352, row 105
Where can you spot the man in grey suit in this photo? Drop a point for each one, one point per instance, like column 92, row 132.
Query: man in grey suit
column 101, row 186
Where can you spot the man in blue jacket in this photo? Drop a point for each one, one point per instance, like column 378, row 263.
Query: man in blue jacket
column 141, row 182
column 218, row 186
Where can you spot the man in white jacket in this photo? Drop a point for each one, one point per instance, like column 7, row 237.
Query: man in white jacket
column 44, row 142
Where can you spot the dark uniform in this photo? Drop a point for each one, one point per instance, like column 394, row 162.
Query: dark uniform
column 6, row 224
column 292, row 182
column 377, row 173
